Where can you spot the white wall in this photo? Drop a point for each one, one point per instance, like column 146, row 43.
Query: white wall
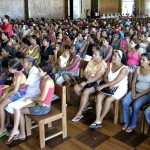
column 12, row 8
column 147, row 7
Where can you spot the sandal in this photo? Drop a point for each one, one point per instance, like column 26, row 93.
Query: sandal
column 87, row 108
column 95, row 125
column 10, row 139
column 18, row 138
column 77, row 119
column 3, row 133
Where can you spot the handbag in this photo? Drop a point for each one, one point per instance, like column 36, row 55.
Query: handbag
column 88, row 85
column 109, row 91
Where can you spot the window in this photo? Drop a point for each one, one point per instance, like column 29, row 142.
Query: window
column 127, row 7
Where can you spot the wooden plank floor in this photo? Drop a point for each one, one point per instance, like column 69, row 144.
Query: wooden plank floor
column 81, row 137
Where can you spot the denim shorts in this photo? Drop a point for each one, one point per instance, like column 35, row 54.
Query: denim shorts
column 62, row 72
column 17, row 96
column 39, row 110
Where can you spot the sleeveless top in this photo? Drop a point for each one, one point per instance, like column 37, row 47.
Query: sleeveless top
column 23, row 80
column 76, row 67
column 112, row 76
column 63, row 61
column 79, row 44
column 37, row 56
column 143, row 82
column 49, row 96
column 133, row 59
column 105, row 53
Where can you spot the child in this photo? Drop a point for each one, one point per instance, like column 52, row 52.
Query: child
column 43, row 102
column 14, row 91
column 63, row 61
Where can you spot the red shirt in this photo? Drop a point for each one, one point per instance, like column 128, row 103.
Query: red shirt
column 7, row 28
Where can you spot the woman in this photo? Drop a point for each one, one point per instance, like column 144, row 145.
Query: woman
column 14, row 91
column 46, row 50
column 116, row 41
column 80, row 44
column 133, row 60
column 139, row 96
column 43, row 101
column 107, row 50
column 5, row 39
column 115, row 79
column 124, row 43
column 93, row 73
column 34, row 49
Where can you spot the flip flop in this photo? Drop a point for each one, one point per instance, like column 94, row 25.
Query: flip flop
column 3, row 133
column 77, row 119
column 87, row 108
column 95, row 125
column 10, row 139
column 17, row 138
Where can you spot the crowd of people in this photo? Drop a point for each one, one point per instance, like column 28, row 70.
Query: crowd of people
column 37, row 53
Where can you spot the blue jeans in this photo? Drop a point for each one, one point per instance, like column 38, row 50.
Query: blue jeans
column 131, row 119
column 147, row 114
column 39, row 110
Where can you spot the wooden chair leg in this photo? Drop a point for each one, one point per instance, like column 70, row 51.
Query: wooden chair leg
column 120, row 112
column 28, row 125
column 116, row 111
column 145, row 126
column 68, row 93
column 143, row 121
column 42, row 134
column 64, row 127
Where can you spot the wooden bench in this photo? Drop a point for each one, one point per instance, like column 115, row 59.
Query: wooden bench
column 53, row 115
column 144, row 125
column 82, row 65
column 116, row 103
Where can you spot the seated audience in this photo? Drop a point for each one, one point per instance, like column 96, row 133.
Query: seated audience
column 93, row 74
column 14, row 92
column 115, row 87
column 139, row 95
column 43, row 103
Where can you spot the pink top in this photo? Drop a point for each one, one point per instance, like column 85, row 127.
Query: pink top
column 124, row 43
column 133, row 59
column 76, row 67
column 49, row 95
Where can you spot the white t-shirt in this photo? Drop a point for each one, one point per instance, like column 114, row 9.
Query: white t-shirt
column 33, row 82
column 63, row 61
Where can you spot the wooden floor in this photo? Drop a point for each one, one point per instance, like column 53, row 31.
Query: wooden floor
column 81, row 137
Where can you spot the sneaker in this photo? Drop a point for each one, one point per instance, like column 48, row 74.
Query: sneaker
column 124, row 127
column 128, row 130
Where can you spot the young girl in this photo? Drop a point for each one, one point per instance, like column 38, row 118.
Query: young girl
column 43, row 101
column 14, row 91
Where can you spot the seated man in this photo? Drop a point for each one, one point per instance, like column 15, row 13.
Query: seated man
column 92, row 74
